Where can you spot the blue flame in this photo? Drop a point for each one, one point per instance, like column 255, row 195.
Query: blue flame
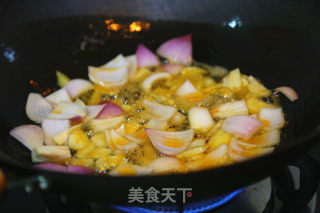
column 189, row 208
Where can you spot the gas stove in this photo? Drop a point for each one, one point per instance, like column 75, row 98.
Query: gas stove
column 277, row 193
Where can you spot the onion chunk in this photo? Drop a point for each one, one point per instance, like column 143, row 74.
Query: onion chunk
column 30, row 136
column 242, row 126
column 170, row 143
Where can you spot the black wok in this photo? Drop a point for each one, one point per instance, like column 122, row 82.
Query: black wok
column 280, row 46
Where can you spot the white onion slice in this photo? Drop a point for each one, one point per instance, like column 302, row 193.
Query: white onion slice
column 116, row 141
column 77, row 86
column 166, row 165
column 264, row 140
column 62, row 137
column 30, row 136
column 145, row 57
column 218, row 153
column 68, row 110
column 230, row 108
column 52, row 127
column 94, row 110
column 288, row 92
column 134, row 139
column 177, row 50
column 130, row 170
column 172, row 68
column 133, row 65
column 238, row 153
column 272, row 118
column 108, row 123
column 147, row 83
column 170, row 143
column 158, row 111
column 156, row 124
column 37, row 108
column 118, row 61
column 200, row 119
column 108, row 77
column 50, row 154
column 242, row 126
column 110, row 110
column 58, row 96
column 186, row 89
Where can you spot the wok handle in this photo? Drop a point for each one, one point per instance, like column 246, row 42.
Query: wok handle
column 2, row 183
column 297, row 200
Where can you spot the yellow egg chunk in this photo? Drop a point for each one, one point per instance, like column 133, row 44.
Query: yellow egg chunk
column 98, row 153
column 99, row 140
column 254, row 105
column 131, row 126
column 86, row 162
column 78, row 140
column 193, row 154
column 220, row 138
column 85, row 152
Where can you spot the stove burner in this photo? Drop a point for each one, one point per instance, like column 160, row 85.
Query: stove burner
column 201, row 206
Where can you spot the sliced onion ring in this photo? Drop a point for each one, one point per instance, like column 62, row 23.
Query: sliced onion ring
column 165, row 165
column 118, row 61
column 30, row 136
column 267, row 139
column 147, row 83
column 237, row 152
column 57, row 96
column 242, row 126
column 230, row 108
column 76, row 87
column 172, row 68
column 94, row 110
column 108, row 77
column 145, row 57
column 177, row 50
column 158, row 111
column 37, row 108
column 170, row 143
column 108, row 123
column 288, row 92
column 133, row 65
column 116, row 141
column 109, row 110
column 68, row 110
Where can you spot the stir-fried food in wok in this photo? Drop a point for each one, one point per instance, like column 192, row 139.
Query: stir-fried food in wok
column 153, row 114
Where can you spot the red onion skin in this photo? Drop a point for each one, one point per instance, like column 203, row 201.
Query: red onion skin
column 60, row 168
column 80, row 170
column 109, row 110
column 75, row 120
column 145, row 57
column 51, row 167
column 177, row 50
